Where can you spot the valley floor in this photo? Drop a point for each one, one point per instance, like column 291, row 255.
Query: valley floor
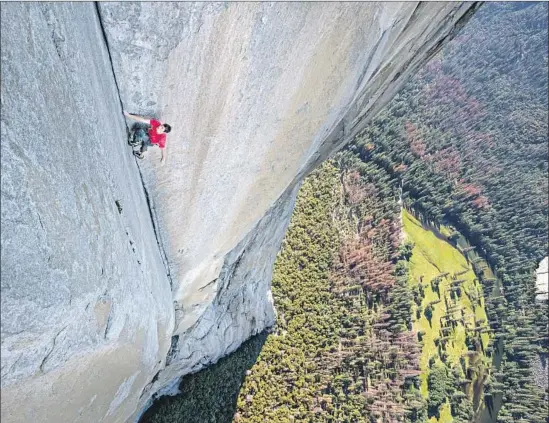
column 451, row 289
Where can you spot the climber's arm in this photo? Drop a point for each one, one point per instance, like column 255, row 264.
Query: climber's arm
column 137, row 118
column 164, row 154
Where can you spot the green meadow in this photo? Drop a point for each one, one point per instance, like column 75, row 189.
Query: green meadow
column 451, row 319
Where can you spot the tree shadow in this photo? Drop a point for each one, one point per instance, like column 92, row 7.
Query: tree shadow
column 211, row 394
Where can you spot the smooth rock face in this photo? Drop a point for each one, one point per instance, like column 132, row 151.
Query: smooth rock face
column 102, row 308
column 243, row 303
column 87, row 313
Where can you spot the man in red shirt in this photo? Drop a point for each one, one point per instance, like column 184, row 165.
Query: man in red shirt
column 156, row 135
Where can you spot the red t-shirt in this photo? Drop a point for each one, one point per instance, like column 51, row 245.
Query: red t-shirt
column 156, row 138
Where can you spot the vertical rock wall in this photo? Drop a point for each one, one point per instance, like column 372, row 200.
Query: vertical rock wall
column 110, row 292
column 87, row 313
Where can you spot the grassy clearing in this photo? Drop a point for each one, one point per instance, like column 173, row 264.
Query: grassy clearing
column 433, row 257
column 445, row 414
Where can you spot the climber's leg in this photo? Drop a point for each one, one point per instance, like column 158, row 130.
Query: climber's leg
column 146, row 143
column 140, row 136
column 137, row 134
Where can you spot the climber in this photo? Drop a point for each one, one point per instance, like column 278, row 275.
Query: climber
column 156, row 135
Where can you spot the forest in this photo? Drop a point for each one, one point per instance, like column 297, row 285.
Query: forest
column 450, row 320
column 405, row 286
column 343, row 348
column 468, row 137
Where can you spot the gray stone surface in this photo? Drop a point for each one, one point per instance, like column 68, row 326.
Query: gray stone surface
column 101, row 309
column 243, row 303
column 86, row 303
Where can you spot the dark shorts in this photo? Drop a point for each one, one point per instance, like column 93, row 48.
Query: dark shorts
column 141, row 136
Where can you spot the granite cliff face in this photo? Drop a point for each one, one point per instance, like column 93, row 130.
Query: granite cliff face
column 87, row 311
column 117, row 277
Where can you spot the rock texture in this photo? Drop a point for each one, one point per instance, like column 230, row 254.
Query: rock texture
column 110, row 292
column 87, row 313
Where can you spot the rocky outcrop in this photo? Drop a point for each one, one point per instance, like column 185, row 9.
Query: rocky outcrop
column 118, row 279
column 542, row 280
column 540, row 368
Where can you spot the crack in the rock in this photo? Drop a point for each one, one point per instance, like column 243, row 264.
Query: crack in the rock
column 152, row 215
column 40, row 220
column 108, row 325
column 45, row 359
column 207, row 285
column 189, row 356
column 110, row 56
column 172, row 352
column 14, row 364
column 229, row 275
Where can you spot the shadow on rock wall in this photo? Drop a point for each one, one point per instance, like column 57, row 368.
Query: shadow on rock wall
column 211, row 394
